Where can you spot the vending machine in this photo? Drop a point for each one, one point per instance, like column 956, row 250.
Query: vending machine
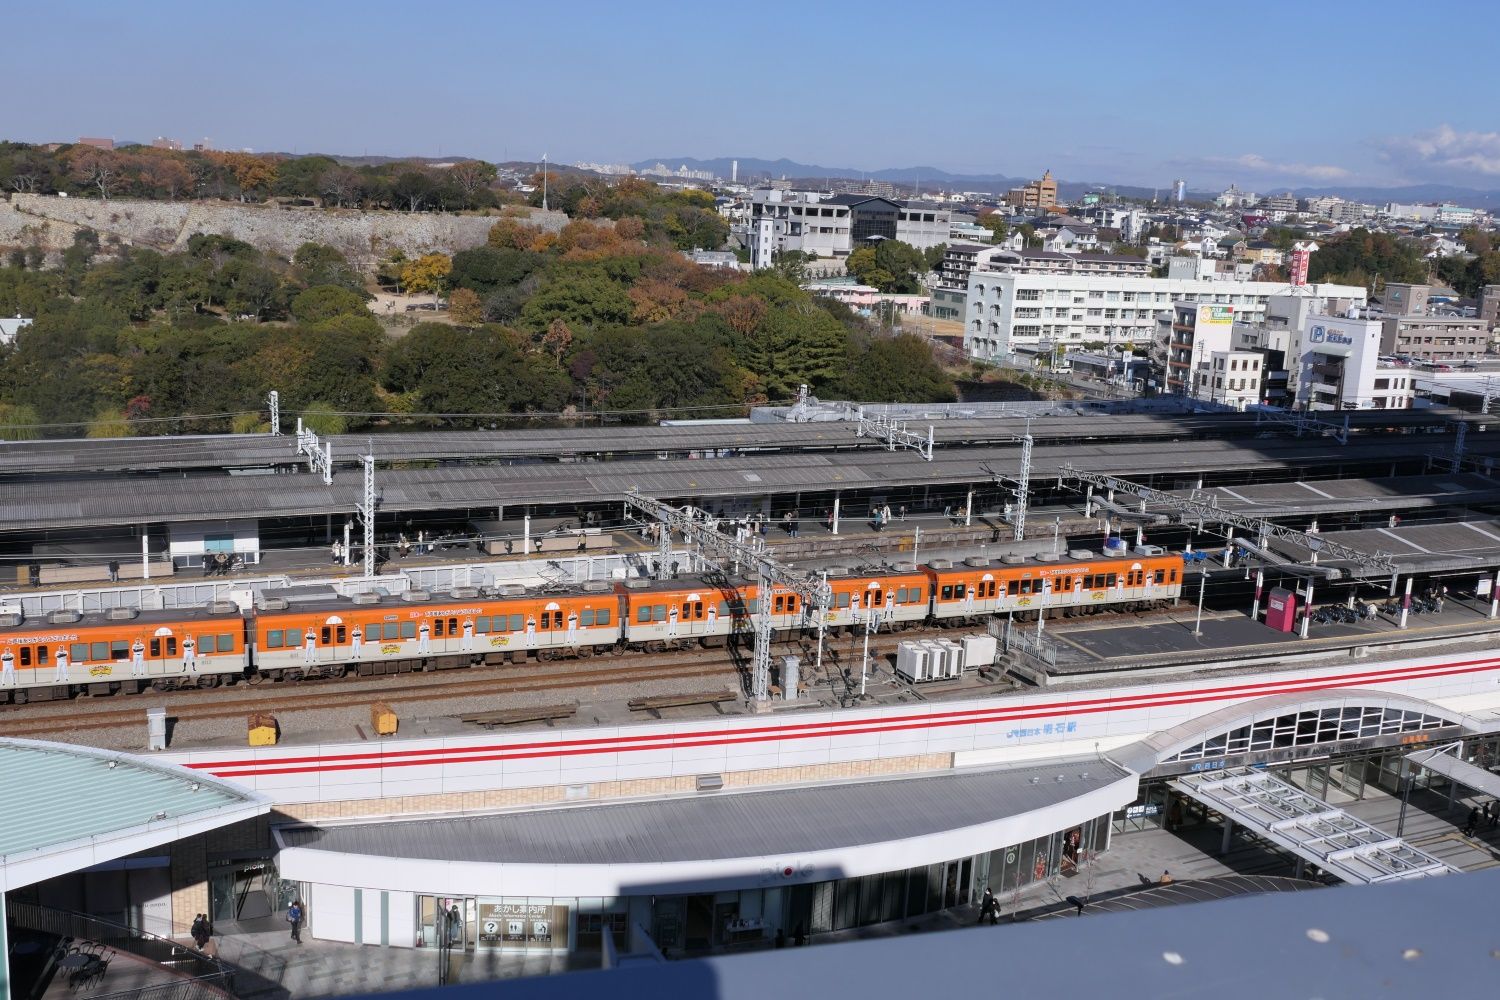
column 1281, row 610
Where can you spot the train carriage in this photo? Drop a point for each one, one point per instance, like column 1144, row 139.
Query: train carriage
column 898, row 599
column 670, row 614
column 120, row 650
column 979, row 587
column 370, row 635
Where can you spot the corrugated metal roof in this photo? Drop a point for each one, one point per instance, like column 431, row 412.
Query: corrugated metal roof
column 715, row 826
column 54, row 794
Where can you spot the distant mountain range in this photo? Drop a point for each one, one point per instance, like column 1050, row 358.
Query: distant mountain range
column 751, row 167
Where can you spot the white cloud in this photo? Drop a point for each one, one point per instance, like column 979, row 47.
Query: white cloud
column 1445, row 153
column 1258, row 164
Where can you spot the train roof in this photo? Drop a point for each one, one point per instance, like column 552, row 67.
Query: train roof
column 117, row 617
column 318, row 599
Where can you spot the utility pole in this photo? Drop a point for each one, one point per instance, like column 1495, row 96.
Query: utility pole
column 367, row 511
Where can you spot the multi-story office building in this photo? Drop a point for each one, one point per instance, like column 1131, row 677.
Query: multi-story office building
column 1009, row 313
column 1435, row 338
column 1489, row 306
column 961, row 259
column 1339, row 367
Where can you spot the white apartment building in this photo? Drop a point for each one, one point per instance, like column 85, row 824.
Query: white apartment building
column 1231, row 377
column 1339, row 368
column 830, row 225
column 1009, row 313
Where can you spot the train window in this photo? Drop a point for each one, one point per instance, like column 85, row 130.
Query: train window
column 408, row 630
column 79, row 651
column 340, row 636
column 41, row 656
column 586, row 618
column 226, row 641
column 659, row 612
column 643, row 614
column 841, row 600
column 992, row 588
column 437, row 627
column 752, row 606
column 517, row 622
column 171, row 645
column 1174, row 576
column 601, row 617
column 947, row 592
column 293, row 639
column 98, row 650
column 1111, row 579
column 119, row 650
column 453, row 626
column 25, row 656
column 959, row 589
column 1161, row 577
column 390, row 630
column 273, row 641
column 325, row 636
column 205, row 644
column 916, row 594
column 698, row 610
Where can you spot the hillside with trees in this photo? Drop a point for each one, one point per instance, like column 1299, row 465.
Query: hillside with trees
column 598, row 322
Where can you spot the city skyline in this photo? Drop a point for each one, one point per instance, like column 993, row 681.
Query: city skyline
column 1206, row 95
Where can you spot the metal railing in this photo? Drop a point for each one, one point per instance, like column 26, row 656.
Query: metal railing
column 212, row 987
column 212, row 977
column 1024, row 642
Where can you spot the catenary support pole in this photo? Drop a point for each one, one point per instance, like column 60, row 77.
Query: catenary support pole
column 145, row 554
column 1495, row 596
column 1260, row 584
column 1307, row 609
column 835, row 513
column 1405, row 604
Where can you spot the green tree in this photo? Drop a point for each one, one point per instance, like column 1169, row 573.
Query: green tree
column 580, row 297
column 997, row 226
column 791, row 347
column 325, row 302
column 895, row 369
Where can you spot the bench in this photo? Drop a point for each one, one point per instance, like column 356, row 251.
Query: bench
column 515, row 716
column 655, row 704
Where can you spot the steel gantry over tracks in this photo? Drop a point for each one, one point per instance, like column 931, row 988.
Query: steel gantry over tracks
column 1208, row 511
column 724, row 553
column 1316, row 832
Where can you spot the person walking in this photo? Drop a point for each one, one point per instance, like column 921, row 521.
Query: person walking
column 987, row 906
column 799, row 936
column 294, row 917
column 337, row 551
column 1472, row 822
column 200, row 931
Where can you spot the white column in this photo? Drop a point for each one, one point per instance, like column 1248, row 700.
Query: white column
column 969, row 508
column 1307, row 609
column 526, row 535
column 1495, row 596
column 348, row 529
column 835, row 513
column 1260, row 583
column 1405, row 604
column 145, row 555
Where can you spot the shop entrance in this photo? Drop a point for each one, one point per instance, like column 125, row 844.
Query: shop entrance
column 447, row 921
column 957, row 878
column 246, row 893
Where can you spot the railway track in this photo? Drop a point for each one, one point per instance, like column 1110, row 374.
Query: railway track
column 54, row 719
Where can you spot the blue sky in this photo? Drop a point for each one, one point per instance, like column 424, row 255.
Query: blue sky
column 1265, row 94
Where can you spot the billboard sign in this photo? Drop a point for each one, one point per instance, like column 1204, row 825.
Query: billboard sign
column 1216, row 315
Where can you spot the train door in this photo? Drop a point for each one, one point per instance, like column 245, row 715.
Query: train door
column 691, row 614
column 988, row 591
column 162, row 654
column 551, row 625
column 330, row 638
column 1135, row 580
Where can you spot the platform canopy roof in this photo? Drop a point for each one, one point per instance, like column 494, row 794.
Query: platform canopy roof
column 67, row 808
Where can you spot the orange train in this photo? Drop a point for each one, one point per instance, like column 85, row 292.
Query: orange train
column 123, row 650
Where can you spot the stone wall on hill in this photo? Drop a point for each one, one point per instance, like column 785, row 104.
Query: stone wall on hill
column 363, row 237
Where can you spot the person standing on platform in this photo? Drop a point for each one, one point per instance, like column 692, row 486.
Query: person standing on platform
column 114, row 571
